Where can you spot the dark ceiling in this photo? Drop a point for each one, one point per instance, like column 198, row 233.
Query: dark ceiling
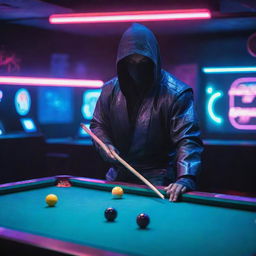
column 228, row 15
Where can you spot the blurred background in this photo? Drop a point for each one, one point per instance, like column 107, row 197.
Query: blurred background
column 51, row 77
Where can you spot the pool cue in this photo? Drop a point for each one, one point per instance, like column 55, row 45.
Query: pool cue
column 130, row 168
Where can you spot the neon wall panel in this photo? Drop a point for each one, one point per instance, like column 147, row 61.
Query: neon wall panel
column 90, row 98
column 55, row 105
column 228, row 104
column 16, row 102
column 242, row 103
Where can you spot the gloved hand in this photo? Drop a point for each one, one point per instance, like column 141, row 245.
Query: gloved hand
column 183, row 184
column 108, row 156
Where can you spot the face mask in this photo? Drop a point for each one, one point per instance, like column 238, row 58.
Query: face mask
column 142, row 73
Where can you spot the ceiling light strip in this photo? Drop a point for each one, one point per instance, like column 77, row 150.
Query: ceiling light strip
column 130, row 16
column 39, row 81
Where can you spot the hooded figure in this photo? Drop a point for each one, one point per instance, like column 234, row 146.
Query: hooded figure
column 148, row 117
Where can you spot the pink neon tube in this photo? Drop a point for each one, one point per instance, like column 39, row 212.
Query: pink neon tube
column 37, row 81
column 130, row 16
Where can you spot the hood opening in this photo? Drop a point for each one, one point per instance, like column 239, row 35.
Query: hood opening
column 137, row 39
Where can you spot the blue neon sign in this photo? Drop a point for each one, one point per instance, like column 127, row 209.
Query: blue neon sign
column 214, row 96
column 229, row 69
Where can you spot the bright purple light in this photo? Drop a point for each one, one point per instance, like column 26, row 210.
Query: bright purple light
column 37, row 81
column 242, row 107
column 130, row 16
column 243, row 90
column 242, row 112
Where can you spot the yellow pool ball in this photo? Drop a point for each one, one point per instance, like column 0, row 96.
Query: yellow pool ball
column 117, row 192
column 51, row 199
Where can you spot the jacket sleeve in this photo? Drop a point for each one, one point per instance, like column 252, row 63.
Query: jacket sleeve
column 100, row 123
column 185, row 135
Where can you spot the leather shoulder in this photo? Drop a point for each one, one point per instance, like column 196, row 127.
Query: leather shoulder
column 110, row 83
column 109, row 86
column 173, row 85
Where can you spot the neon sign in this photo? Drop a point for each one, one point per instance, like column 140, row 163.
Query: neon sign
column 22, row 102
column 229, row 70
column 242, row 103
column 90, row 98
column 214, row 96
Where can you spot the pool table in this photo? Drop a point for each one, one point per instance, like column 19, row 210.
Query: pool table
column 199, row 224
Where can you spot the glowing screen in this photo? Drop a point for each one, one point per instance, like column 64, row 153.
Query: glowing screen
column 55, row 105
column 28, row 125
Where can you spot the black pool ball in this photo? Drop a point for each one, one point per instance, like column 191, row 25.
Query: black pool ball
column 110, row 214
column 143, row 220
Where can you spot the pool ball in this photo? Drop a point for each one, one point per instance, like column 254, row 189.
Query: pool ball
column 110, row 214
column 117, row 192
column 51, row 199
column 143, row 220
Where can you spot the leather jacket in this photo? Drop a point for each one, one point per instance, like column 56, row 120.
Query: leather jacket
column 166, row 133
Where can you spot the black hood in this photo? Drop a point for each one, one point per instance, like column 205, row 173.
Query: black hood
column 137, row 39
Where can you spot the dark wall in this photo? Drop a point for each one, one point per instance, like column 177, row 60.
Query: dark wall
column 34, row 48
column 22, row 157
column 229, row 166
column 228, row 169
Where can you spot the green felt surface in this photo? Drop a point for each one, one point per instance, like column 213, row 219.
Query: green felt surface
column 175, row 228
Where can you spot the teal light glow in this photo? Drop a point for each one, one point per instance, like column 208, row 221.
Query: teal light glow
column 209, row 90
column 90, row 98
column 82, row 132
column 22, row 102
column 229, row 69
column 2, row 131
column 210, row 107
column 28, row 124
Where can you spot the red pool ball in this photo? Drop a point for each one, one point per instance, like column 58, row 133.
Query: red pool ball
column 143, row 220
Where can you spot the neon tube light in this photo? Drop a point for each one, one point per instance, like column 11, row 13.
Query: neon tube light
column 229, row 70
column 130, row 16
column 242, row 110
column 245, row 112
column 37, row 81
column 246, row 91
column 212, row 100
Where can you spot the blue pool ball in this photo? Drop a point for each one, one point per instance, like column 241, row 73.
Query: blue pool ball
column 110, row 214
column 143, row 220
